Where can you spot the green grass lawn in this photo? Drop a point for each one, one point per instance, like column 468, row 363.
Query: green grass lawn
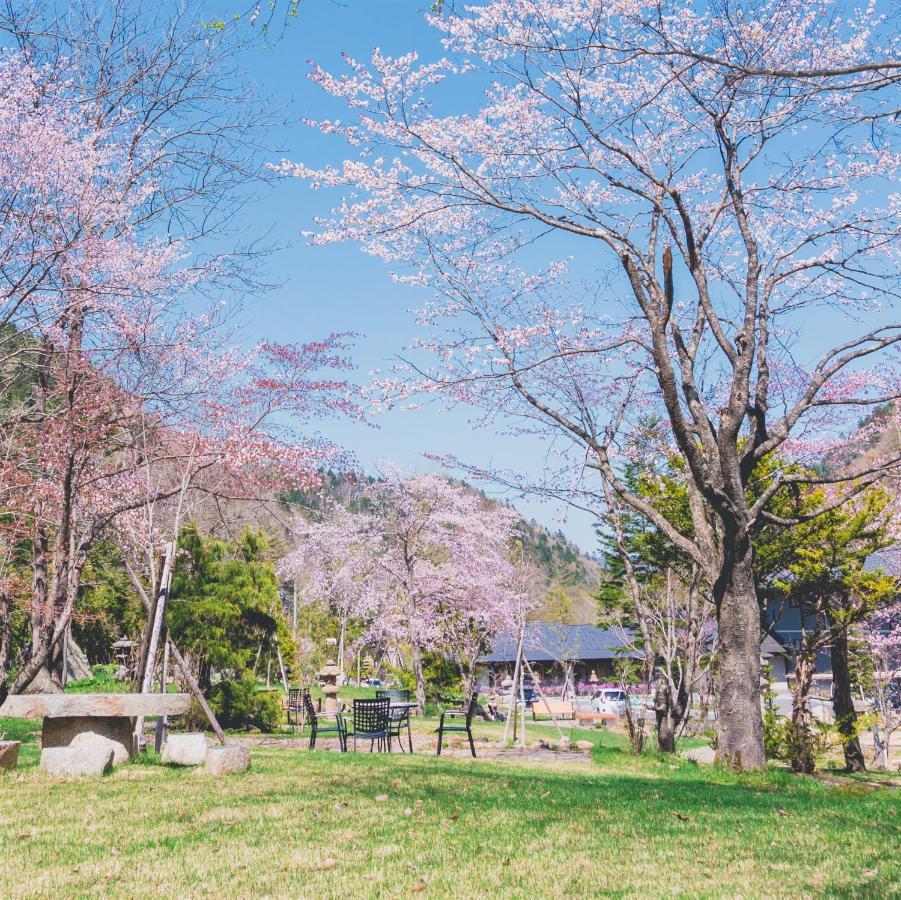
column 330, row 825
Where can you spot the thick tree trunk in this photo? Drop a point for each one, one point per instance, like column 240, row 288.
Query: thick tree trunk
column 738, row 616
column 666, row 732
column 669, row 713
column 419, row 675
column 843, row 703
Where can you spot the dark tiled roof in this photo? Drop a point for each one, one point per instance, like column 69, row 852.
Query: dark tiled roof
column 549, row 641
column 769, row 646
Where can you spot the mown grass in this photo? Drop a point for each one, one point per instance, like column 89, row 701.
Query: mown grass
column 330, row 825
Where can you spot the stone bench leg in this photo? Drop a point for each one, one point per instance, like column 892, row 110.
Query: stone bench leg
column 115, row 732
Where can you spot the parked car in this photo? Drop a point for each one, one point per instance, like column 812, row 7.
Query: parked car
column 372, row 682
column 609, row 700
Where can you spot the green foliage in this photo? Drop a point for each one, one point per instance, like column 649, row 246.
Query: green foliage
column 241, row 703
column 785, row 742
column 559, row 607
column 225, row 603
column 442, row 677
column 827, row 564
column 108, row 606
column 102, row 681
column 773, row 738
column 225, row 607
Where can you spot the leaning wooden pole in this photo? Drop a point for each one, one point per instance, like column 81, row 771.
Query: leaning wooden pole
column 156, row 631
column 159, row 615
column 198, row 694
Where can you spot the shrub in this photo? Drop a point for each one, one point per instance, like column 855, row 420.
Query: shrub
column 102, row 681
column 239, row 703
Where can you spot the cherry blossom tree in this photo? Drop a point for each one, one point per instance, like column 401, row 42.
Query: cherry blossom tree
column 725, row 171
column 882, row 636
column 119, row 386
column 331, row 565
column 426, row 568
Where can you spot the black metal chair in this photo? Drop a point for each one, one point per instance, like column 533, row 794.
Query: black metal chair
column 399, row 717
column 464, row 727
column 296, row 708
column 317, row 728
column 372, row 722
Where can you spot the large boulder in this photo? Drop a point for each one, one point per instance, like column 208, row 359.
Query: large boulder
column 115, row 733
column 9, row 754
column 227, row 760
column 76, row 761
column 185, row 749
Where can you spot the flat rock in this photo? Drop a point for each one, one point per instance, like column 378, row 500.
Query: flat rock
column 37, row 706
column 76, row 761
column 187, row 749
column 583, row 745
column 9, row 754
column 227, row 760
column 113, row 732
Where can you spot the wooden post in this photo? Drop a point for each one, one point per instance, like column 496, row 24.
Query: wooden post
column 155, row 634
column 162, row 722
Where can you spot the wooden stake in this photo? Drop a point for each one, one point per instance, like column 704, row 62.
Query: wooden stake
column 156, row 630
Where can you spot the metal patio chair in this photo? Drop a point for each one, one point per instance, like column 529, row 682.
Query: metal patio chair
column 296, row 708
column 372, row 722
column 464, row 726
column 316, row 720
column 400, row 718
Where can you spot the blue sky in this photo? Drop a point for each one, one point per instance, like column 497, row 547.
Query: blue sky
column 339, row 288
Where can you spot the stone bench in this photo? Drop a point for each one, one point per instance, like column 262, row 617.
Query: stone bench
column 72, row 720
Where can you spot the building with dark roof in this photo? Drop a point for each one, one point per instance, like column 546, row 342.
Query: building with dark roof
column 553, row 649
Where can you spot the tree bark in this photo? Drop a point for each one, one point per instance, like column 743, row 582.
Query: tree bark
column 843, row 703
column 802, row 759
column 419, row 675
column 6, row 634
column 738, row 617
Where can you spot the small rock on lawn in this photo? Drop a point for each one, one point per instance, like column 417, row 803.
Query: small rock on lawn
column 185, row 749
column 583, row 745
column 227, row 760
column 9, row 754
column 76, row 761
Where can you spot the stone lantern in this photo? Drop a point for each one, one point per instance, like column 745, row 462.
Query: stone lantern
column 328, row 675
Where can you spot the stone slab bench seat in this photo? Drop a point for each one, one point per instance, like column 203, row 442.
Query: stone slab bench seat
column 75, row 720
column 57, row 706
